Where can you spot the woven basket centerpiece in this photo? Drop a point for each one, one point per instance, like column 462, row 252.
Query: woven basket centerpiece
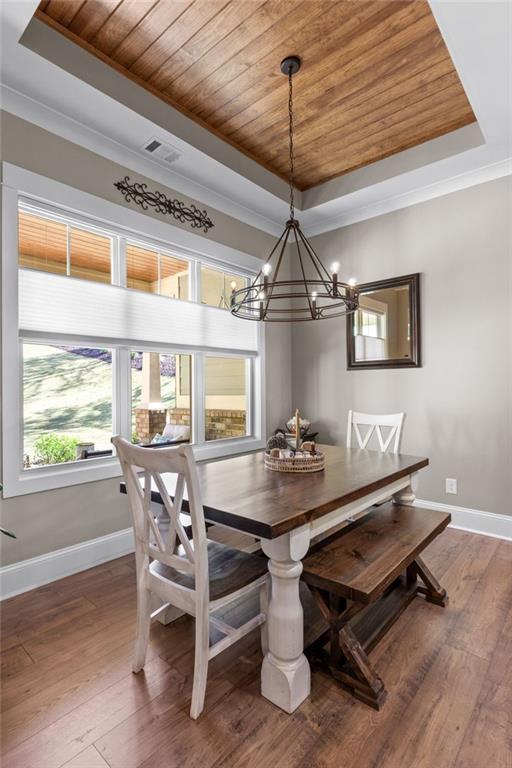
column 300, row 462
column 288, row 452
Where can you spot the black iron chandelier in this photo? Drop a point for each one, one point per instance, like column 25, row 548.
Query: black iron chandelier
column 318, row 294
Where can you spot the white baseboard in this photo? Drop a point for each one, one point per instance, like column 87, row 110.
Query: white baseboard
column 29, row 574
column 474, row 520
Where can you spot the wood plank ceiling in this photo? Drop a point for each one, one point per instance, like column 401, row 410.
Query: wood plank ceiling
column 376, row 76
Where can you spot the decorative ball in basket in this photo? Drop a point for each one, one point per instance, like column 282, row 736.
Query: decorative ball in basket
column 293, row 455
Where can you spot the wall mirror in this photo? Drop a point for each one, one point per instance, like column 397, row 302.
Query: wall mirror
column 385, row 331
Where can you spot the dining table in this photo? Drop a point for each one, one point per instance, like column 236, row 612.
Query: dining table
column 288, row 512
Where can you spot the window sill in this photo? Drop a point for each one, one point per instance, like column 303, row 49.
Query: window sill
column 91, row 470
column 49, row 478
column 228, row 447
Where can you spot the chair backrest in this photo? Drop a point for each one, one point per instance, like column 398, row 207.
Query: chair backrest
column 190, row 557
column 374, row 422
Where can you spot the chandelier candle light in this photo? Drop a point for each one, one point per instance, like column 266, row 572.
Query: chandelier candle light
column 318, row 294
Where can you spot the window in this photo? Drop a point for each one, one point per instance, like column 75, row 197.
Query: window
column 216, row 286
column 154, row 272
column 105, row 354
column 370, row 324
column 173, row 277
column 161, row 405
column 42, row 244
column 90, row 256
column 67, row 403
column 226, row 382
column 52, row 246
column 370, row 331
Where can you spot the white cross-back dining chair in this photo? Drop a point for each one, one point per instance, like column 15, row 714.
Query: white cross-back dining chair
column 373, row 423
column 196, row 576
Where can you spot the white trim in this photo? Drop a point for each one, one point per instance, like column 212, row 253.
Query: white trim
column 11, row 359
column 37, row 571
column 30, row 574
column 125, row 224
column 315, row 217
column 70, row 129
column 75, row 201
column 230, row 446
column 473, row 520
column 405, row 200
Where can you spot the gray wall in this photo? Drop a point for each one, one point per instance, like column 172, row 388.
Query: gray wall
column 459, row 404
column 28, row 146
column 50, row 520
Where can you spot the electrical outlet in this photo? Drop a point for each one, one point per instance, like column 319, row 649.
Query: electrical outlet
column 451, row 485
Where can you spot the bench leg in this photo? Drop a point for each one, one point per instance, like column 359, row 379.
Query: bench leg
column 336, row 606
column 347, row 661
column 367, row 685
column 433, row 591
column 411, row 574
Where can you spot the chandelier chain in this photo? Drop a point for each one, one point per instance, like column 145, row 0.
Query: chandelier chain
column 290, row 136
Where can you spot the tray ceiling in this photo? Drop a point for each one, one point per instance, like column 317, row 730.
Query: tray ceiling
column 376, row 77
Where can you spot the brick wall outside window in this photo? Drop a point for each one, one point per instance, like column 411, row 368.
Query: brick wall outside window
column 218, row 423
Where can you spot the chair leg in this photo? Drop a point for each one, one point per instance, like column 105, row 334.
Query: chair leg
column 200, row 663
column 143, row 627
column 264, row 601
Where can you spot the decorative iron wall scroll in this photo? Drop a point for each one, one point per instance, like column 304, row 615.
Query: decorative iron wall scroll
column 139, row 194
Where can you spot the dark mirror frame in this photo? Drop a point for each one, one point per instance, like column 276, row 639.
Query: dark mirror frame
column 413, row 282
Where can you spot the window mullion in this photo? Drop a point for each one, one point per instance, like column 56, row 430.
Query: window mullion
column 249, row 396
column 122, row 424
column 68, row 250
column 198, row 399
column 194, row 290
column 119, row 261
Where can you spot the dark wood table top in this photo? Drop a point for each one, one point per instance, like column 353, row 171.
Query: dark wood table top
column 241, row 493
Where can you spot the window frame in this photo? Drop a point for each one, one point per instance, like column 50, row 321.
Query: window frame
column 33, row 193
column 116, row 414
column 38, row 208
column 159, row 250
column 222, row 270
column 249, row 389
column 359, row 323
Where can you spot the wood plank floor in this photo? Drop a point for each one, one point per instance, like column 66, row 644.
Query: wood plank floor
column 69, row 697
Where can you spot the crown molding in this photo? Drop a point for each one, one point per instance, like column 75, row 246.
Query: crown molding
column 78, row 133
column 404, row 200
column 315, row 220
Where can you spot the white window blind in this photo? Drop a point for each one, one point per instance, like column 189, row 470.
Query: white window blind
column 54, row 304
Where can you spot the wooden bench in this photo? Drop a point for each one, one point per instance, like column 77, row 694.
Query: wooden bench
column 362, row 578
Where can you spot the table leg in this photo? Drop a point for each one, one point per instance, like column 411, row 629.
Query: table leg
column 407, row 495
column 285, row 673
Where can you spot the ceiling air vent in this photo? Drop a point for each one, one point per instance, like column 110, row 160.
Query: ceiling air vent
column 161, row 151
